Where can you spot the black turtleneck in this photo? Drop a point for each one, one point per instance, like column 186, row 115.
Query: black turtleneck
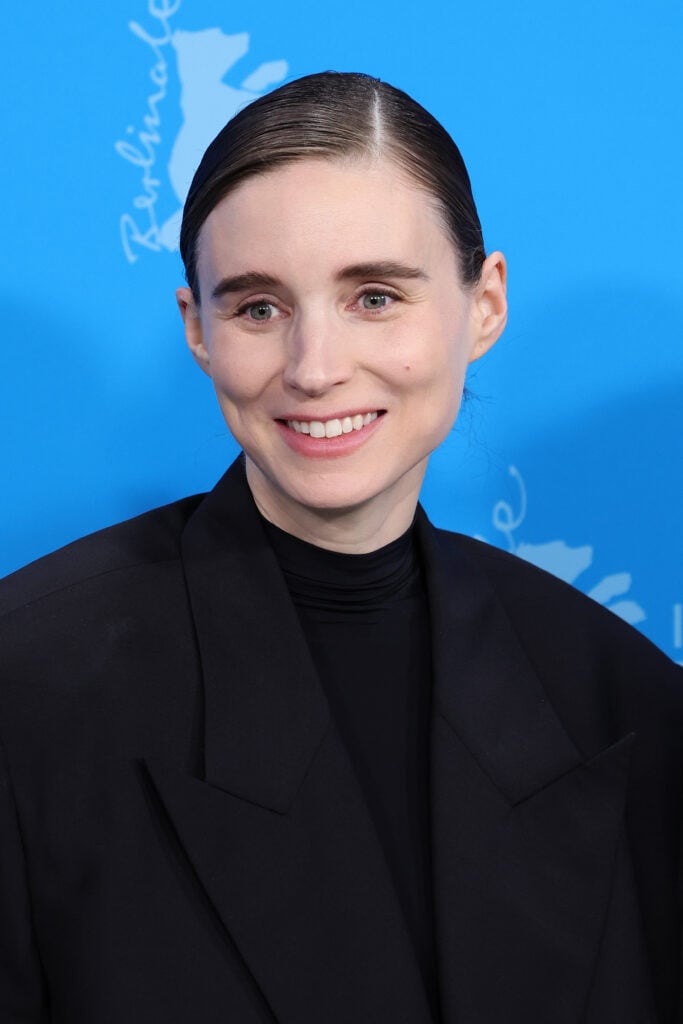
column 366, row 621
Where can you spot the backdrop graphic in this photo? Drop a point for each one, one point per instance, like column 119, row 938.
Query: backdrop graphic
column 570, row 450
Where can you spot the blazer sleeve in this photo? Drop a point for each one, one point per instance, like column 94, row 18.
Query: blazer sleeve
column 23, row 998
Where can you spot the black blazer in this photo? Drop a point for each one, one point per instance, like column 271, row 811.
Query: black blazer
column 183, row 838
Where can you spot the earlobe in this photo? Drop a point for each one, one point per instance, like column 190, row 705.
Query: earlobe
column 490, row 305
column 194, row 334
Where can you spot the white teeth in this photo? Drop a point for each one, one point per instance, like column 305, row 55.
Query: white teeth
column 332, row 428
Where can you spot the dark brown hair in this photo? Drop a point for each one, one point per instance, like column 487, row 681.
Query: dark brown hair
column 333, row 115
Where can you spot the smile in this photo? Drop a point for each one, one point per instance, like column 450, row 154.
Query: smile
column 334, row 427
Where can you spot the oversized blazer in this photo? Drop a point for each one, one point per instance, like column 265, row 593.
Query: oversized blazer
column 184, row 841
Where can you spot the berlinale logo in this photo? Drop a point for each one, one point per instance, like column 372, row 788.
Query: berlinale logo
column 565, row 561
column 201, row 61
column 570, row 562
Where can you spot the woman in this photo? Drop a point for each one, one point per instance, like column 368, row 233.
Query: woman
column 286, row 752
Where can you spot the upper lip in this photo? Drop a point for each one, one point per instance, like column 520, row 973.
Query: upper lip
column 324, row 417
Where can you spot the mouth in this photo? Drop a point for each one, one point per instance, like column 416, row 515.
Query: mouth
column 323, row 429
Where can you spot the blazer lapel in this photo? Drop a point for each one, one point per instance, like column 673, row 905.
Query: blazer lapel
column 524, row 833
column 274, row 823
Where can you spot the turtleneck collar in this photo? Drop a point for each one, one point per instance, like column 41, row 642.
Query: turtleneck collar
column 335, row 580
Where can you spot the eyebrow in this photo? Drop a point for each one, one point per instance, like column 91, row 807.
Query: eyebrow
column 382, row 268
column 254, row 279
column 244, row 282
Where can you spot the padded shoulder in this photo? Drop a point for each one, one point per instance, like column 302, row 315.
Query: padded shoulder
column 146, row 539
column 570, row 636
column 527, row 588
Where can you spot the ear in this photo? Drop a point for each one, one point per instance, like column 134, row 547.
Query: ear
column 194, row 334
column 490, row 308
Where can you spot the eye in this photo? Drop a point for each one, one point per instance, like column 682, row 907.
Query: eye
column 258, row 311
column 374, row 300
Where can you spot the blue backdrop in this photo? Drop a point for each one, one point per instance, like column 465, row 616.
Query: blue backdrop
column 568, row 116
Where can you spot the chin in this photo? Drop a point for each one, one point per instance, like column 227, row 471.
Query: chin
column 332, row 498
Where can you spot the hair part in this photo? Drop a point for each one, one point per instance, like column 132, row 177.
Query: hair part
column 335, row 116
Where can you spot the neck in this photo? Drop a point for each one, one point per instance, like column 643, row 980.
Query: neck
column 356, row 530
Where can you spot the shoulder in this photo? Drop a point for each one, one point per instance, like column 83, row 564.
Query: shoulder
column 535, row 595
column 143, row 541
column 585, row 655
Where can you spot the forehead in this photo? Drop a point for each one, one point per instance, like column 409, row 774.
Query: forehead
column 313, row 213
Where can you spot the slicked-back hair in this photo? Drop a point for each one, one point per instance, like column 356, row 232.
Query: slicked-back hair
column 336, row 116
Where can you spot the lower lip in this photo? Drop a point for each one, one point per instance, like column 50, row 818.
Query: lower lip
column 327, row 447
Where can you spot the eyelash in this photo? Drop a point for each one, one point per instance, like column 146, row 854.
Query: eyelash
column 253, row 302
column 388, row 292
column 367, row 290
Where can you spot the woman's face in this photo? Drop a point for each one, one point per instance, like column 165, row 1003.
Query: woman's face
column 337, row 334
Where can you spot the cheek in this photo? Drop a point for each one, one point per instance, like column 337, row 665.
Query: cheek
column 437, row 380
column 240, row 374
column 435, row 360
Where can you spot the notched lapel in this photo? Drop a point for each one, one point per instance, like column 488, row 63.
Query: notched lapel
column 525, row 834
column 522, row 891
column 484, row 684
column 264, row 709
column 305, row 896
column 276, row 828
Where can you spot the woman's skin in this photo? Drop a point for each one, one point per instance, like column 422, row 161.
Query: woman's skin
column 330, row 291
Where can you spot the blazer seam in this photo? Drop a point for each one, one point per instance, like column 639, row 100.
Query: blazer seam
column 529, row 655
column 506, row 798
column 581, row 763
column 82, row 580
column 22, row 843
column 608, row 907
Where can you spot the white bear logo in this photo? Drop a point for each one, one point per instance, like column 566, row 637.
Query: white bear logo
column 564, row 561
column 207, row 102
column 203, row 59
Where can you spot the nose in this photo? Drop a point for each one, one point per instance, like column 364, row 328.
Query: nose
column 319, row 355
